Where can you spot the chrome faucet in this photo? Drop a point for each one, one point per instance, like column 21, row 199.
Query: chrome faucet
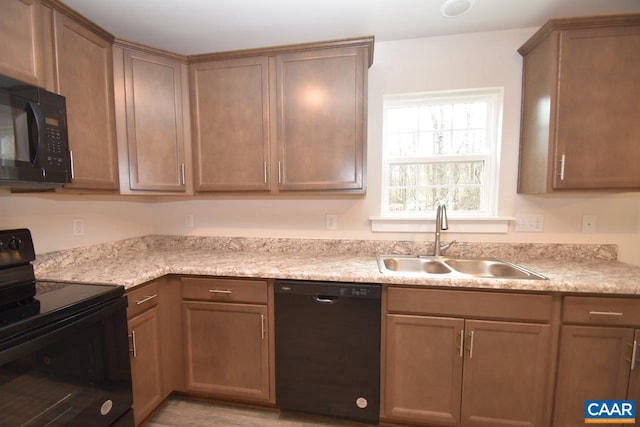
column 441, row 224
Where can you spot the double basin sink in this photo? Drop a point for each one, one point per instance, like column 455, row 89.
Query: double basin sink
column 431, row 266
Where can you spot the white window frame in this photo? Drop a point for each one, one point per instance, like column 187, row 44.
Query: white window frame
column 483, row 220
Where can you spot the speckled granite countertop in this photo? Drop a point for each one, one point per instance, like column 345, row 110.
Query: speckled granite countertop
column 569, row 268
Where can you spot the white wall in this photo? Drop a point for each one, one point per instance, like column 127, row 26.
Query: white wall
column 452, row 62
column 50, row 219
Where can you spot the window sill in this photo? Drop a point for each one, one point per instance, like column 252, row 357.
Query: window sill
column 386, row 224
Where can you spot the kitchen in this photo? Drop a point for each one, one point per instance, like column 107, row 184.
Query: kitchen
column 396, row 69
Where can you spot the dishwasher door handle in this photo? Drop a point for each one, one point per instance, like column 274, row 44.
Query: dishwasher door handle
column 322, row 299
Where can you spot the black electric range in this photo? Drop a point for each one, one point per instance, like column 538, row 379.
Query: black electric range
column 64, row 349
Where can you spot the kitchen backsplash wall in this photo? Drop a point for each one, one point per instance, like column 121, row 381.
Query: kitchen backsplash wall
column 439, row 63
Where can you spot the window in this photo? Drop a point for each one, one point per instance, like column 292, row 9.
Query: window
column 441, row 146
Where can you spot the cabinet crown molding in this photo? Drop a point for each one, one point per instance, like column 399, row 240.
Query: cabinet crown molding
column 66, row 10
column 366, row 41
column 126, row 44
column 578, row 23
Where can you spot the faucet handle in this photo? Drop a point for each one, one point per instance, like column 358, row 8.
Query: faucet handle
column 447, row 246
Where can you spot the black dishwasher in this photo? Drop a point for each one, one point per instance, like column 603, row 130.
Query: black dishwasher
column 328, row 348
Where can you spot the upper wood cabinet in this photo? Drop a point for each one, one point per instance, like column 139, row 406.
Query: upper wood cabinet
column 321, row 119
column 230, row 116
column 289, row 118
column 84, row 65
column 580, row 109
column 150, row 90
column 21, row 41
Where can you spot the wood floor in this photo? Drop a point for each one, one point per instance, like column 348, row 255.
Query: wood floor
column 182, row 412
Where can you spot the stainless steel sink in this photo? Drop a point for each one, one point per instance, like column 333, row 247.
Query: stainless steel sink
column 454, row 267
column 412, row 265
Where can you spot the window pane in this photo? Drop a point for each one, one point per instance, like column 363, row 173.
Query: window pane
column 432, row 128
column 401, row 145
column 466, row 199
column 402, row 119
column 467, row 173
column 402, row 175
column 434, row 174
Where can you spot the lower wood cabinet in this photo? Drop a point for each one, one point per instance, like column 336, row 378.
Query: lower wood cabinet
column 461, row 371
column 597, row 355
column 146, row 371
column 143, row 312
column 226, row 341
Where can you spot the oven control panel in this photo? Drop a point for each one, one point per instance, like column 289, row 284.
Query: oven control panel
column 16, row 247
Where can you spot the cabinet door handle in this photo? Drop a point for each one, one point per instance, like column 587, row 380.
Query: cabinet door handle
column 219, row 291
column 461, row 346
column 183, row 180
column 605, row 313
column 262, row 325
column 132, row 350
column 279, row 172
column 471, row 344
column 266, row 181
column 73, row 174
column 562, row 159
column 633, row 354
column 147, row 298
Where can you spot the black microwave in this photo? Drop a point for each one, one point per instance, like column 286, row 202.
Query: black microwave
column 34, row 148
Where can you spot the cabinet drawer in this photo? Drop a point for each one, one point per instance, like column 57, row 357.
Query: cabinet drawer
column 599, row 310
column 142, row 298
column 493, row 305
column 224, row 290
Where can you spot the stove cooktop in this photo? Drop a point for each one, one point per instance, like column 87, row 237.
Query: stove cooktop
column 52, row 302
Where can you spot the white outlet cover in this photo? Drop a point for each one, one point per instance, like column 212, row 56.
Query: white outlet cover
column 529, row 223
column 332, row 222
column 188, row 220
column 78, row 227
column 589, row 224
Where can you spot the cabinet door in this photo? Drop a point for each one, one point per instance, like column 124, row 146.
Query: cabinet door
column 634, row 378
column 85, row 78
column 146, row 374
column 226, row 349
column 505, row 374
column 230, row 124
column 593, row 365
column 597, row 109
column 423, row 368
column 155, row 133
column 21, row 41
column 321, row 120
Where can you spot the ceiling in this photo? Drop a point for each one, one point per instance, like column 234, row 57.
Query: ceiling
column 202, row 26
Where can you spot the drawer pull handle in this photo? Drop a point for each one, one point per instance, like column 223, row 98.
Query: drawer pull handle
column 148, row 298
column 605, row 313
column 219, row 291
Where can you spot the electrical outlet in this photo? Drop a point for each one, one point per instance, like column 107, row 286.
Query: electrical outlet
column 332, row 222
column 78, row 227
column 529, row 223
column 188, row 220
column 589, row 223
